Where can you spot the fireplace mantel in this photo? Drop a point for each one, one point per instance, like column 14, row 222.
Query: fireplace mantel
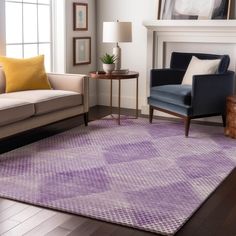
column 191, row 25
column 160, row 32
column 192, row 31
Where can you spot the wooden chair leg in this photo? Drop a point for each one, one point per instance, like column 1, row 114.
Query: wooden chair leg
column 150, row 114
column 86, row 119
column 224, row 120
column 187, row 121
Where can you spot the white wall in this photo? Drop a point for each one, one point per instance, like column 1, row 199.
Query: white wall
column 82, row 69
column 133, row 54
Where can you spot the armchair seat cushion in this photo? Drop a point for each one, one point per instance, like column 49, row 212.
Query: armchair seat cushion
column 173, row 94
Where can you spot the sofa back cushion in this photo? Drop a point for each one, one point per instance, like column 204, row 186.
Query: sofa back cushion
column 181, row 60
column 2, row 81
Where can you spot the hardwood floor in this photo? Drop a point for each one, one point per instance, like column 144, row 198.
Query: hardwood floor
column 216, row 217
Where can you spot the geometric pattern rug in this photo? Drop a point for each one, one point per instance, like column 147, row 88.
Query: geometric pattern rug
column 146, row 176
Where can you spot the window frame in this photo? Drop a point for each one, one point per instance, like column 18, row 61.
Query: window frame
column 38, row 43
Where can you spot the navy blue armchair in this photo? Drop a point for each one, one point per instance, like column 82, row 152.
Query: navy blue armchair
column 205, row 97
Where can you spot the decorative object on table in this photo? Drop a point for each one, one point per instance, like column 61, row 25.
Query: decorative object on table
column 108, row 62
column 230, row 129
column 192, row 9
column 117, row 32
column 82, row 50
column 80, row 16
column 119, row 77
column 204, row 98
column 141, row 176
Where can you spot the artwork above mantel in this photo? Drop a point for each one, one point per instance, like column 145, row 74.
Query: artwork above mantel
column 197, row 10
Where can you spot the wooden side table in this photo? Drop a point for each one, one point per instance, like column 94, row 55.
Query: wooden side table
column 131, row 75
column 230, row 129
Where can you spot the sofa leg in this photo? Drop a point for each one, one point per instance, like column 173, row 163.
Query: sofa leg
column 86, row 119
column 224, row 120
column 187, row 121
column 150, row 114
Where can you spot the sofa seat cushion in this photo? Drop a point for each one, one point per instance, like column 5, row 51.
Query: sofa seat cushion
column 173, row 94
column 46, row 101
column 13, row 110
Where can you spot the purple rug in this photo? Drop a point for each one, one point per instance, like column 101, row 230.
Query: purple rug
column 145, row 176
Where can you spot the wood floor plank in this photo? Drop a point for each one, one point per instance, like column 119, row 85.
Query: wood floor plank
column 12, row 210
column 4, row 204
column 86, row 229
column 7, row 225
column 59, row 232
column 73, row 223
column 31, row 223
column 26, row 214
column 49, row 225
column 105, row 229
column 229, row 225
column 123, row 231
column 142, row 233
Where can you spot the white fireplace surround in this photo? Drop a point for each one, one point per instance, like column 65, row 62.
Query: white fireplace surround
column 161, row 32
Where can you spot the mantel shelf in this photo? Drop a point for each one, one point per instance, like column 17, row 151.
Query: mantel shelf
column 191, row 25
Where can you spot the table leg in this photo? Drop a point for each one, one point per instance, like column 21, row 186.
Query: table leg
column 111, row 98
column 137, row 98
column 119, row 102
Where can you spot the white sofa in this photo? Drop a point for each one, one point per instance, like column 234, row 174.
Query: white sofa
column 26, row 110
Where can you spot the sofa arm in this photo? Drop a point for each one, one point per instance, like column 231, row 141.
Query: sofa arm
column 71, row 82
column 209, row 92
column 166, row 76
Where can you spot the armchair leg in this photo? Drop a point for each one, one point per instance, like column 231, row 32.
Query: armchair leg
column 187, row 121
column 224, row 120
column 150, row 114
column 86, row 119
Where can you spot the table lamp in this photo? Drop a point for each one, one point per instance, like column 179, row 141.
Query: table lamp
column 117, row 32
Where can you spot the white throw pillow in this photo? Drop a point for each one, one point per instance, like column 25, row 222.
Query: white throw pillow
column 200, row 67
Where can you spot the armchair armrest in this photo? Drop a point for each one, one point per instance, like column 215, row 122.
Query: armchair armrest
column 71, row 82
column 166, row 76
column 209, row 92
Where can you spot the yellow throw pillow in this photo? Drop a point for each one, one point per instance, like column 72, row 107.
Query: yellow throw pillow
column 25, row 74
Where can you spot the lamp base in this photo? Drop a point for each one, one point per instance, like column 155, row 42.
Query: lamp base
column 117, row 53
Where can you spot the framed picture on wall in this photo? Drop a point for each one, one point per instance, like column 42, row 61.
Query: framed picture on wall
column 82, row 50
column 80, row 16
column 192, row 9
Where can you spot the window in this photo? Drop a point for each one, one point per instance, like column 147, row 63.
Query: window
column 28, row 29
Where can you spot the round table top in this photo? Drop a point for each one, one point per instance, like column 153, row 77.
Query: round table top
column 103, row 75
column 232, row 99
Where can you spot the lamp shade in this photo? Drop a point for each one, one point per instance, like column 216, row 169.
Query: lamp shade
column 115, row 32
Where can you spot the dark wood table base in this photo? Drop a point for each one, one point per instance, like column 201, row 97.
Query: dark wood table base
column 130, row 75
